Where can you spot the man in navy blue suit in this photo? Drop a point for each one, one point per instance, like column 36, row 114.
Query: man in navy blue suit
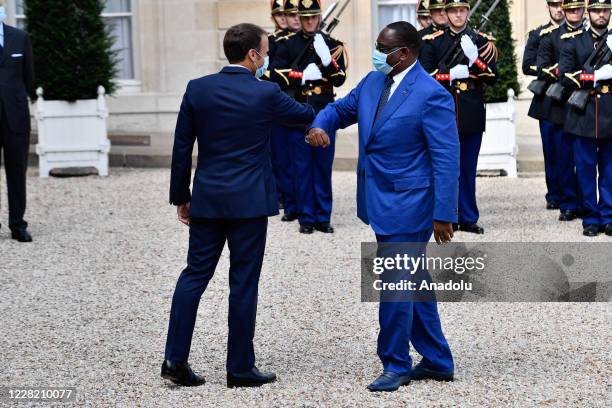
column 230, row 114
column 407, row 188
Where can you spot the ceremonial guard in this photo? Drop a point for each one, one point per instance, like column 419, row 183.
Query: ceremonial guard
column 280, row 25
column 554, row 104
column 585, row 68
column 308, row 66
column 539, row 87
column 463, row 61
column 283, row 11
column 292, row 17
column 423, row 17
column 438, row 17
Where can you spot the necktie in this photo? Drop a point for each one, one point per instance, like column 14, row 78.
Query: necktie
column 384, row 98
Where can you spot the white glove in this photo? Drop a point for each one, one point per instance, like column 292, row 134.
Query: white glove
column 469, row 48
column 609, row 41
column 311, row 73
column 322, row 49
column 459, row 72
column 603, row 73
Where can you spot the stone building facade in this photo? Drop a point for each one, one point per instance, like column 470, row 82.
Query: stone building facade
column 164, row 43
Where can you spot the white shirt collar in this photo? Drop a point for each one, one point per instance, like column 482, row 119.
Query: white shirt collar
column 397, row 78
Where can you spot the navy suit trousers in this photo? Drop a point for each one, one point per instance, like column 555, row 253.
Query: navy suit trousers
column 246, row 239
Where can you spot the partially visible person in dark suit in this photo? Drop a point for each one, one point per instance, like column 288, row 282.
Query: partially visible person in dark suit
column 16, row 77
column 230, row 114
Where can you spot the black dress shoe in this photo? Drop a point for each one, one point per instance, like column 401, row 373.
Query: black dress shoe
column 590, row 231
column 324, row 227
column 21, row 235
column 289, row 217
column 471, row 228
column 607, row 229
column 568, row 215
column 251, row 378
column 181, row 374
column 306, row 229
column 552, row 205
column 422, row 373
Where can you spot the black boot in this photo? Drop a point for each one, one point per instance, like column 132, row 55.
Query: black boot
column 324, row 227
column 590, row 230
column 306, row 229
column 552, row 205
column 289, row 217
column 568, row 215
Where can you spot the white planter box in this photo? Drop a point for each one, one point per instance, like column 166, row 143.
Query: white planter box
column 72, row 134
column 499, row 148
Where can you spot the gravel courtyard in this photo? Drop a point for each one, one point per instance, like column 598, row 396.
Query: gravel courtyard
column 86, row 305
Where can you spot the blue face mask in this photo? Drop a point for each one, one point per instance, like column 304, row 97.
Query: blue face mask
column 379, row 59
column 262, row 70
column 2, row 14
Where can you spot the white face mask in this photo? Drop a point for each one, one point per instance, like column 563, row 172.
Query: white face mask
column 2, row 14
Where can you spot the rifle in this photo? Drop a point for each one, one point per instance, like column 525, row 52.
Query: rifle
column 455, row 53
column 537, row 87
column 336, row 19
column 478, row 3
column 580, row 97
column 322, row 27
column 557, row 90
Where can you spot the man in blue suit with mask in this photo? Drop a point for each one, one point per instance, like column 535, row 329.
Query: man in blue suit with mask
column 407, row 188
column 230, row 114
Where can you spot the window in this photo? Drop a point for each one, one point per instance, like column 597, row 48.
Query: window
column 19, row 14
column 117, row 16
column 390, row 11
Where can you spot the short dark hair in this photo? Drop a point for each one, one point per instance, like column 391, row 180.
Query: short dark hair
column 407, row 34
column 239, row 39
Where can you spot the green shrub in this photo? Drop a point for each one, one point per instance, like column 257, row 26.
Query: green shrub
column 72, row 48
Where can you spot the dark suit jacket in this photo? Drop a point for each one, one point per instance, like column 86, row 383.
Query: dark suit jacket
column 230, row 114
column 16, row 77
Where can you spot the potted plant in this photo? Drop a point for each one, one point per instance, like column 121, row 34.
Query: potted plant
column 75, row 67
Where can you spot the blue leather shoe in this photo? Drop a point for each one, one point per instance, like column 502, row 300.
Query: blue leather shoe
column 422, row 373
column 250, row 378
column 389, row 381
